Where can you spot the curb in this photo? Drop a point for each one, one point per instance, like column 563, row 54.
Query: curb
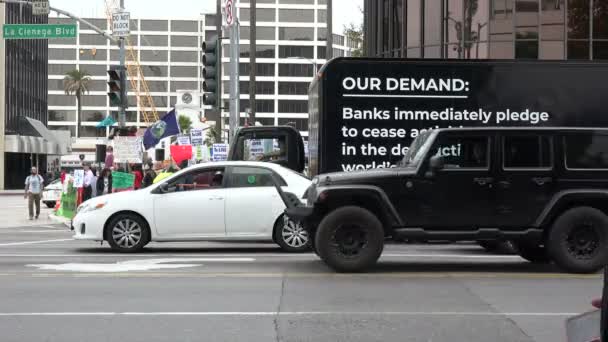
column 59, row 219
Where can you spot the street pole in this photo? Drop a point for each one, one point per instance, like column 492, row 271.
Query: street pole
column 234, row 78
column 122, row 111
column 219, row 125
column 252, row 57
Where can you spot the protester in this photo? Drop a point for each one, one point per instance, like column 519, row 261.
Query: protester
column 62, row 176
column 109, row 162
column 139, row 176
column 87, row 190
column 104, row 182
column 150, row 174
column 94, row 182
column 33, row 189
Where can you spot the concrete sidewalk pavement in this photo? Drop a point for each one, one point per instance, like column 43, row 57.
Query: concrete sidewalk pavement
column 14, row 213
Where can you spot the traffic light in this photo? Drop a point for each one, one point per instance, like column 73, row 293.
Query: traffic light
column 117, row 83
column 211, row 72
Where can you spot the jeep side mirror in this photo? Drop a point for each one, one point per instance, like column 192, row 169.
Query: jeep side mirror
column 436, row 163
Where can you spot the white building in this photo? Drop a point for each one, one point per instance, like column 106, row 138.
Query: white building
column 169, row 52
column 291, row 39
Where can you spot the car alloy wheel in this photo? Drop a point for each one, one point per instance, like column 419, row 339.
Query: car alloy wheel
column 583, row 241
column 126, row 233
column 293, row 234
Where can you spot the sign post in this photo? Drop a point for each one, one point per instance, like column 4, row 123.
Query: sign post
column 231, row 22
column 120, row 24
column 41, row 7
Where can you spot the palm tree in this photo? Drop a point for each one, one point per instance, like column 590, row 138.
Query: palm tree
column 76, row 82
column 185, row 123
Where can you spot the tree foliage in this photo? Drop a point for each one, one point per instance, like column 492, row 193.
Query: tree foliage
column 76, row 82
column 185, row 123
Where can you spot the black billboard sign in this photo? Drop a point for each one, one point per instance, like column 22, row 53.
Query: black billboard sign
column 371, row 109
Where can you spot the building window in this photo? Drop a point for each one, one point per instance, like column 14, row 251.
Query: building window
column 265, row 51
column 93, row 39
column 93, row 70
column 156, row 71
column 210, row 19
column 93, row 54
column 413, row 28
column 293, row 106
column 295, row 70
column 157, row 86
column 297, row 123
column 526, row 29
column 322, row 34
column 296, row 33
column 94, row 100
column 184, row 56
column 262, row 69
column 153, row 55
column 578, row 19
column 62, row 54
column 296, row 15
column 321, row 52
column 184, row 26
column 147, row 40
column 578, row 49
column 261, row 106
column 293, row 88
column 183, row 85
column 321, row 16
column 264, row 88
column 62, row 100
column 296, row 51
column 183, row 71
column 93, row 115
column 184, row 41
column 154, row 25
column 61, row 115
column 262, row 33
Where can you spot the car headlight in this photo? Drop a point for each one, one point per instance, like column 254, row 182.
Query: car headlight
column 88, row 207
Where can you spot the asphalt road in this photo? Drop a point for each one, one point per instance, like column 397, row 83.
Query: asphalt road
column 53, row 288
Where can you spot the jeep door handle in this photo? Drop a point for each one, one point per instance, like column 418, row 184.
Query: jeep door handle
column 483, row 180
column 540, row 181
column 504, row 184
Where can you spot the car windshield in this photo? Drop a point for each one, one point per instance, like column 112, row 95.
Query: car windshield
column 417, row 149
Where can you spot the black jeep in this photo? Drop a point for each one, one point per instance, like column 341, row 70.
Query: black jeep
column 544, row 189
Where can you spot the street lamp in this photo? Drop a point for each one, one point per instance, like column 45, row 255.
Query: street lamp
column 314, row 65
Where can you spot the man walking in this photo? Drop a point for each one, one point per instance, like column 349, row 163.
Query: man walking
column 33, row 189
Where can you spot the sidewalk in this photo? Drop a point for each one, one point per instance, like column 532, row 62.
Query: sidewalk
column 13, row 210
column 11, row 192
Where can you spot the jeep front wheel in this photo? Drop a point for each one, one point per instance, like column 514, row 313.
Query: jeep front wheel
column 578, row 240
column 350, row 239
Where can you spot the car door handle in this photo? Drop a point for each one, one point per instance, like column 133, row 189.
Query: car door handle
column 483, row 180
column 540, row 181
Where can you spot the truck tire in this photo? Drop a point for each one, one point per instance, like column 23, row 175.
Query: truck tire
column 534, row 253
column 350, row 239
column 578, row 240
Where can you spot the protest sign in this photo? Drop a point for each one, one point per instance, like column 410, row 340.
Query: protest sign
column 196, row 137
column 78, row 178
column 127, row 150
column 122, row 181
column 220, row 152
column 183, row 139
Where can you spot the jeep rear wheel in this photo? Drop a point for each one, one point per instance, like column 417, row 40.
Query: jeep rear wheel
column 350, row 239
column 578, row 240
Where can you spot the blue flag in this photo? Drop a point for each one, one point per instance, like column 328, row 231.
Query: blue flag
column 165, row 127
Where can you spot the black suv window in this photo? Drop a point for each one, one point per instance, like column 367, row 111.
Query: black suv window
column 464, row 152
column 526, row 152
column 248, row 177
column 586, row 150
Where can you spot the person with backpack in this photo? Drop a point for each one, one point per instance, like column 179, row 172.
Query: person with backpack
column 33, row 189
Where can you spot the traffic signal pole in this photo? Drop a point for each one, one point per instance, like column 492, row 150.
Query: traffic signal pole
column 122, row 110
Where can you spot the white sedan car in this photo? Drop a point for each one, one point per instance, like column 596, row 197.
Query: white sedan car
column 223, row 201
column 52, row 193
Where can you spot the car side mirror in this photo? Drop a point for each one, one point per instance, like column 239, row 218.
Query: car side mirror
column 164, row 188
column 436, row 163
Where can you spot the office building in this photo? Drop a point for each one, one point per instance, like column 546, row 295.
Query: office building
column 168, row 52
column 292, row 44
column 496, row 29
column 24, row 139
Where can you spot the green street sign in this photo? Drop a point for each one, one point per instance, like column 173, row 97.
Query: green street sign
column 39, row 31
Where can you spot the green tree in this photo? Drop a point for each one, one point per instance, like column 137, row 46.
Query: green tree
column 213, row 136
column 76, row 82
column 185, row 123
column 354, row 34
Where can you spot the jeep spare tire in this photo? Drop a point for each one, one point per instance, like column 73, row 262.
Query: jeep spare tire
column 578, row 240
column 350, row 239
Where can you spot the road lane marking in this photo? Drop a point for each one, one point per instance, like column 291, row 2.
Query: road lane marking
column 32, row 242
column 295, row 313
column 396, row 275
column 134, row 265
column 253, row 253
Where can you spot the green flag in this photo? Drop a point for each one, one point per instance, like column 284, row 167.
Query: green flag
column 122, row 181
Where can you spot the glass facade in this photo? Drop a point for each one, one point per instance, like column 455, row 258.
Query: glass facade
column 496, row 29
